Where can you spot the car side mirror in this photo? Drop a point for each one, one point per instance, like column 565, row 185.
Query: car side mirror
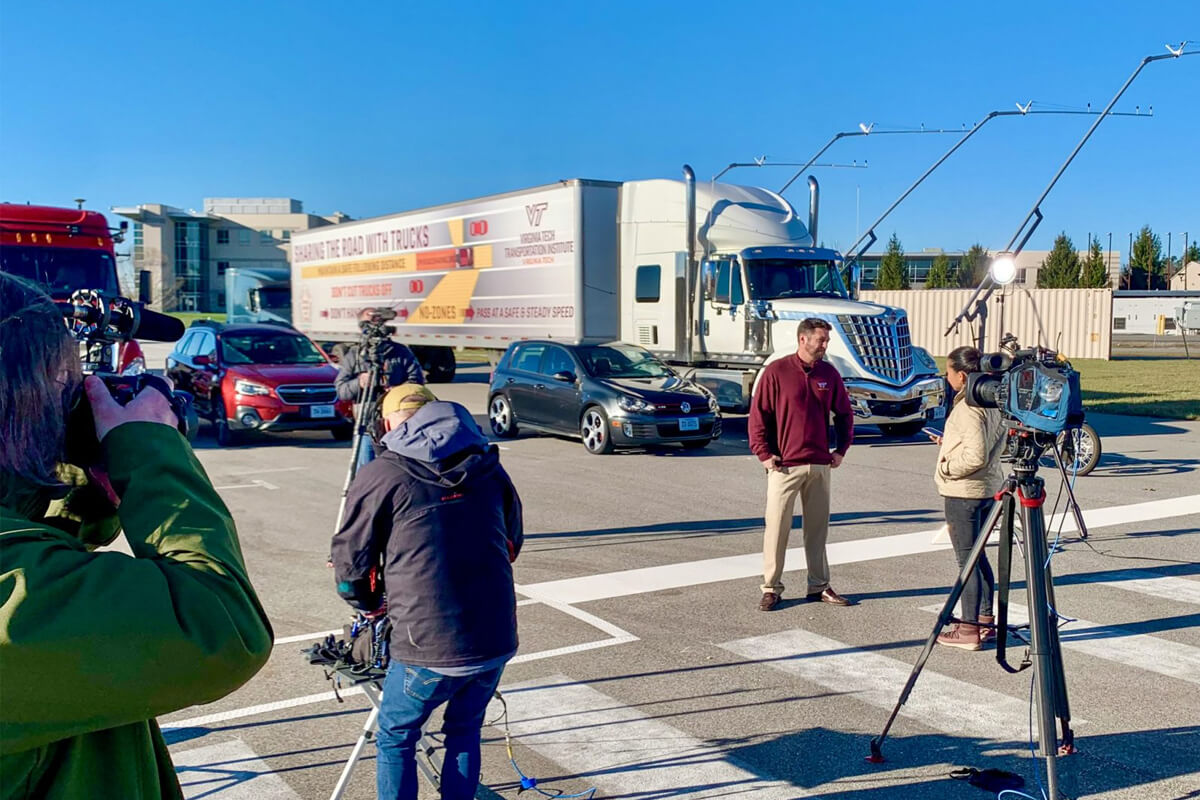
column 202, row 361
column 565, row 376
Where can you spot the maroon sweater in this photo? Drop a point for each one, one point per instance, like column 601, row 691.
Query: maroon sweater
column 790, row 413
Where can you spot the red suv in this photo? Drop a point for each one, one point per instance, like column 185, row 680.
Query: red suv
column 261, row 377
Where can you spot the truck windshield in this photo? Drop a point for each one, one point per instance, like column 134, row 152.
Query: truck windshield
column 621, row 361
column 61, row 270
column 275, row 298
column 773, row 278
column 269, row 348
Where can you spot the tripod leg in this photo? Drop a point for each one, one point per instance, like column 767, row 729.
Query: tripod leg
column 360, row 430
column 1062, row 708
column 1076, row 511
column 368, row 735
column 1003, row 583
column 947, row 613
column 1041, row 621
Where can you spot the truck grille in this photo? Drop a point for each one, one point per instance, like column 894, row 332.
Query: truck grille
column 881, row 343
column 303, row 394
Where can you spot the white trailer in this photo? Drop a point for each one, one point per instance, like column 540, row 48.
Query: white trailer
column 713, row 279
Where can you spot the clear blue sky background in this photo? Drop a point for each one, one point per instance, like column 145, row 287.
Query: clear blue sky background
column 373, row 108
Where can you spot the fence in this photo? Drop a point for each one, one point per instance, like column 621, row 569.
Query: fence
column 1077, row 322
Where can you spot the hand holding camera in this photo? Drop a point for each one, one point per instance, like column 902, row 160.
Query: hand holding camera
column 148, row 405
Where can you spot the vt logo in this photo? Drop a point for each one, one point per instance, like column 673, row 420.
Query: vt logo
column 534, row 212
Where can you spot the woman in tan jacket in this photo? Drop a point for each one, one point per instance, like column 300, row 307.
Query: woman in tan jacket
column 968, row 475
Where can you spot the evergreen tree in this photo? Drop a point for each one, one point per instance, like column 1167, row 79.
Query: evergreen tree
column 1094, row 274
column 939, row 274
column 974, row 267
column 1193, row 253
column 893, row 271
column 1146, row 260
column 1060, row 270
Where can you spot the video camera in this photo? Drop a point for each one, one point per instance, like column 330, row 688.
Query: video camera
column 99, row 322
column 374, row 334
column 1035, row 389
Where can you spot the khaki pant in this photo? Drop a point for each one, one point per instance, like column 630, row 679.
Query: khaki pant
column 811, row 483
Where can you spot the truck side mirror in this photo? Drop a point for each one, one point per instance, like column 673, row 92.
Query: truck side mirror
column 144, row 293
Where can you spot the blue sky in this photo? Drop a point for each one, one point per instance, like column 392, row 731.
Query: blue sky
column 376, row 108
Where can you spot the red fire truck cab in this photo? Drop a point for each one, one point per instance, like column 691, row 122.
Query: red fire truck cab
column 63, row 250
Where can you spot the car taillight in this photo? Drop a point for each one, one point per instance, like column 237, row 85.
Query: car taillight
column 136, row 366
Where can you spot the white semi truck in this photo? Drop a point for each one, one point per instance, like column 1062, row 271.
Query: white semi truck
column 714, row 279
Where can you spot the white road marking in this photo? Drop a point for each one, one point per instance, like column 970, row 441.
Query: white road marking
column 255, row 484
column 1145, row 582
column 251, row 711
column 1120, row 645
column 713, row 570
column 265, row 471
column 229, row 771
column 306, row 637
column 602, row 742
column 938, row 701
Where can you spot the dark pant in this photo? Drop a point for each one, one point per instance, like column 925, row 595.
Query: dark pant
column 965, row 517
column 410, row 694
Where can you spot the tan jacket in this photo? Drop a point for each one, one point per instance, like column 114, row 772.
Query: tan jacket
column 969, row 458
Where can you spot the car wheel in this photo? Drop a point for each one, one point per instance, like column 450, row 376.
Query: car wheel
column 500, row 415
column 343, row 433
column 696, row 444
column 593, row 429
column 1080, row 449
column 903, row 430
column 226, row 436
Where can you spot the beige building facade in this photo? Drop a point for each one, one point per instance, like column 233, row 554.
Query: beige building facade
column 187, row 252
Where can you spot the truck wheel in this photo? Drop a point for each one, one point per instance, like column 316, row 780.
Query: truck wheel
column 903, row 430
column 593, row 429
column 437, row 362
column 1080, row 449
column 500, row 415
column 342, row 433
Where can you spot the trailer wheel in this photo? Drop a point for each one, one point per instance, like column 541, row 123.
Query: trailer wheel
column 437, row 363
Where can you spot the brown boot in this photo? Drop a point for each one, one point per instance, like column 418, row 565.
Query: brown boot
column 964, row 635
column 987, row 629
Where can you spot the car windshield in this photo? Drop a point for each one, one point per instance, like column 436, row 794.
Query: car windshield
column 773, row 278
column 61, row 270
column 621, row 361
column 269, row 348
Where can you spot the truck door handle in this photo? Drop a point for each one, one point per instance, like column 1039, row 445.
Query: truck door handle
column 539, row 386
column 510, row 381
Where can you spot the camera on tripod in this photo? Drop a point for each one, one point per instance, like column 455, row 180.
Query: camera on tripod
column 375, row 333
column 1036, row 389
column 98, row 322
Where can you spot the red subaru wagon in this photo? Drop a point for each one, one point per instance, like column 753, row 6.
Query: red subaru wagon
column 258, row 377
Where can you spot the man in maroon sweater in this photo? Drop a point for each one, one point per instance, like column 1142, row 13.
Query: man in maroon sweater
column 789, row 432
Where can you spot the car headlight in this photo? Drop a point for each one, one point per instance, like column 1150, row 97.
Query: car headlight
column 713, row 405
column 634, row 404
column 246, row 387
column 924, row 359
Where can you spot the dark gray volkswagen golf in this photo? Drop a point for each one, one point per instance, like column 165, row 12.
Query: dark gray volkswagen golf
column 609, row 395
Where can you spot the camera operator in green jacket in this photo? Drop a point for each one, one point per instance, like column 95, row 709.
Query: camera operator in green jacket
column 95, row 645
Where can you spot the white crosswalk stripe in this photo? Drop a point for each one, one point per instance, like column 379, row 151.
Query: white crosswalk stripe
column 230, row 771
column 937, row 701
column 623, row 752
column 1148, row 583
column 1122, row 645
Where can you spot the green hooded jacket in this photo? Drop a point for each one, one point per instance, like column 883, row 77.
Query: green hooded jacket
column 95, row 645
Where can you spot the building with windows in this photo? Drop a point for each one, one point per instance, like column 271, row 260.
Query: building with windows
column 1028, row 264
column 187, row 252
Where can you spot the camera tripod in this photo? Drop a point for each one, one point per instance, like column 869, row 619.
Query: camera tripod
column 427, row 761
column 1022, row 490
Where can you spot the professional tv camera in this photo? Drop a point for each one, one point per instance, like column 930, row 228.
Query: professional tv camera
column 375, row 333
column 98, row 322
column 1036, row 390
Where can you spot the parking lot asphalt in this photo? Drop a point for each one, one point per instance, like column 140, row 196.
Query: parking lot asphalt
column 647, row 671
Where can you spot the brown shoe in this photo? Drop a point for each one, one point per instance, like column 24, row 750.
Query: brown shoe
column 987, row 628
column 829, row 596
column 768, row 602
column 964, row 636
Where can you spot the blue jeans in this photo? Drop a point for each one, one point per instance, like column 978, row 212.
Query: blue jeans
column 410, row 694
column 366, row 453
